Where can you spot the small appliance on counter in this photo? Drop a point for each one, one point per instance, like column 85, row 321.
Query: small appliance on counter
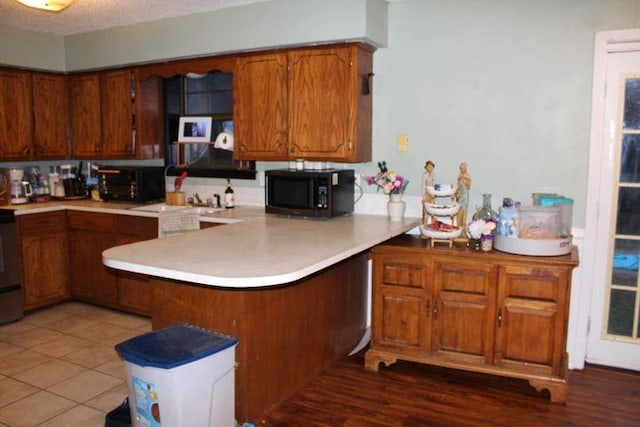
column 543, row 229
column 20, row 189
column 138, row 184
column 309, row 193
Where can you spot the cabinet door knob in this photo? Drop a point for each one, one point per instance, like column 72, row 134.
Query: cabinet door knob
column 435, row 311
column 500, row 316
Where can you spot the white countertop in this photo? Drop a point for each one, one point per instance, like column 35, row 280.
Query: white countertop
column 263, row 250
column 252, row 249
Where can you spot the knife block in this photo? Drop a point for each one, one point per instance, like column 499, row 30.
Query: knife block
column 174, row 198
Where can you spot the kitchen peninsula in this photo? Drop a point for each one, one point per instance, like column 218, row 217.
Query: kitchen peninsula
column 293, row 291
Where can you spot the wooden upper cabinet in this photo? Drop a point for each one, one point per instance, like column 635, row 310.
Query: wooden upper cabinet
column 51, row 116
column 321, row 97
column 16, row 115
column 85, row 116
column 149, row 116
column 260, row 106
column 117, row 114
column 326, row 114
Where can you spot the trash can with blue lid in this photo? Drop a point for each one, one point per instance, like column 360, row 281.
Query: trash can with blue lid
column 180, row 376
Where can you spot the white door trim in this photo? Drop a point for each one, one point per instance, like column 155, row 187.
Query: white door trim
column 605, row 42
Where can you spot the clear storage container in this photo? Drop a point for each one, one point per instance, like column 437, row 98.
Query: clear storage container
column 538, row 222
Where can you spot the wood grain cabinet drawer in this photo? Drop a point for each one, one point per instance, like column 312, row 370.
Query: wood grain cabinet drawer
column 90, row 221
column 33, row 224
column 139, row 226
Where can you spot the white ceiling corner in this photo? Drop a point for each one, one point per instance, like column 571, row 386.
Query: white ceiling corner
column 90, row 15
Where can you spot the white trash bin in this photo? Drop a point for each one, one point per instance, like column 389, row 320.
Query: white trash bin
column 180, row 376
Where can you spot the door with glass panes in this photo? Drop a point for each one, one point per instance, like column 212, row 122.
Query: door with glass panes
column 614, row 333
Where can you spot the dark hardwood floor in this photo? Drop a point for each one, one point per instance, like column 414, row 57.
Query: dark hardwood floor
column 409, row 394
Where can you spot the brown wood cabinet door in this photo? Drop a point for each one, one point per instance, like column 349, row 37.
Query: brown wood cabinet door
column 86, row 133
column 90, row 279
column 43, row 249
column 322, row 104
column 149, row 120
column 531, row 319
column 260, row 107
column 134, row 290
column 402, row 304
column 16, row 125
column 51, row 114
column 464, row 321
column 117, row 114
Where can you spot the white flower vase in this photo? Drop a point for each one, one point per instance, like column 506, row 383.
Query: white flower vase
column 396, row 207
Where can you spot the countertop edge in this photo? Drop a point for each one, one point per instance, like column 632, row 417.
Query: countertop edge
column 252, row 281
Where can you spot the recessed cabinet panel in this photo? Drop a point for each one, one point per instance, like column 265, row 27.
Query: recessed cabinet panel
column 320, row 123
column 464, row 312
column 117, row 114
column 402, row 321
column 533, row 283
column 50, row 111
column 403, row 274
column 465, row 277
column 463, row 327
column 85, row 115
column 15, row 115
column 522, row 321
column 260, row 112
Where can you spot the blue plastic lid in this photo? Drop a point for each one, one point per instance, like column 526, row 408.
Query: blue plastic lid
column 173, row 346
column 550, row 201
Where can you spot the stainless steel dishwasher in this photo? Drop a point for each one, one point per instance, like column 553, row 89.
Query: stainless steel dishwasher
column 11, row 300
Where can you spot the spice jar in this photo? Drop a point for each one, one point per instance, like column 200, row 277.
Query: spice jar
column 486, row 242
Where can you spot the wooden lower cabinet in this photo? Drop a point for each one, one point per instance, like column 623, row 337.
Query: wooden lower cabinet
column 493, row 312
column 134, row 291
column 89, row 235
column 43, row 253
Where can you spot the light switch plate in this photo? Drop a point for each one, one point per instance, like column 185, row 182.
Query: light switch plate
column 402, row 143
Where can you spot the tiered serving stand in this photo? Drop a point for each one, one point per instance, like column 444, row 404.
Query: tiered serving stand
column 447, row 207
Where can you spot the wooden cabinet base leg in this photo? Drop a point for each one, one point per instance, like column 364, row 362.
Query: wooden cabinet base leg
column 557, row 389
column 373, row 358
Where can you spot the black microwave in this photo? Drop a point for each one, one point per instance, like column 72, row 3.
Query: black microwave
column 309, row 193
column 131, row 183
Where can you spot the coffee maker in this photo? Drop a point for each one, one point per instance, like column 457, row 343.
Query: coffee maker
column 20, row 189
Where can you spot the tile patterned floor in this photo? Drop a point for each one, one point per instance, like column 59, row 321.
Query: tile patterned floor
column 58, row 367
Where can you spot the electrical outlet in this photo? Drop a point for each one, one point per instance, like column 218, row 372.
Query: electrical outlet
column 358, row 179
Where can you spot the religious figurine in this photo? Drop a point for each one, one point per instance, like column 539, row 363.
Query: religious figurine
column 428, row 180
column 462, row 195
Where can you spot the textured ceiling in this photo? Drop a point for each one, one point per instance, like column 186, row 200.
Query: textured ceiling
column 90, row 15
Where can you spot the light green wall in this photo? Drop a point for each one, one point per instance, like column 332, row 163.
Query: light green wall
column 502, row 84
column 253, row 26
column 29, row 49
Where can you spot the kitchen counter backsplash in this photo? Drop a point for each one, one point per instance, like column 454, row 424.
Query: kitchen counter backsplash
column 370, row 203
